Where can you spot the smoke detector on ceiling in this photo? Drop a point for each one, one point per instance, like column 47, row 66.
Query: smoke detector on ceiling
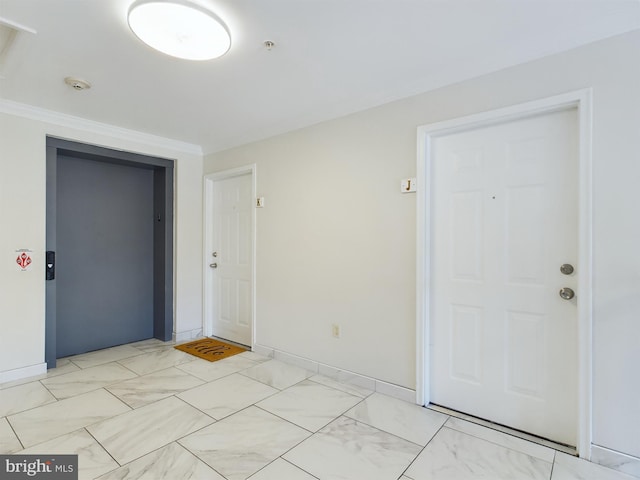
column 77, row 83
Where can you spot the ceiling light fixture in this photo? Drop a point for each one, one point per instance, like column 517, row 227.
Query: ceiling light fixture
column 180, row 29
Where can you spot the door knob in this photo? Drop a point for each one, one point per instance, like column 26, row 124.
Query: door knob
column 566, row 293
column 215, row 254
column 213, row 265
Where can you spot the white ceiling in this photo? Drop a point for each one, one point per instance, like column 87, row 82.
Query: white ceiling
column 332, row 57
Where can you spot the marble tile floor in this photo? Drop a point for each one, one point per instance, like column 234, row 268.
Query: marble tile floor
column 148, row 411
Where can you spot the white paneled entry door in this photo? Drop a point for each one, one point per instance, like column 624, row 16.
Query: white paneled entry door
column 230, row 258
column 504, row 220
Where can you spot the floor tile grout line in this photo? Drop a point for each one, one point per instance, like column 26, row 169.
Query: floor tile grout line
column 233, row 413
column 38, row 380
column 322, row 385
column 175, row 394
column 104, row 448
column 312, row 434
column 503, row 446
column 237, row 412
column 215, row 420
column 105, row 385
column 55, row 400
column 216, row 379
column 76, row 365
column 108, row 361
column 120, row 465
column 84, row 426
column 388, row 432
column 422, row 449
column 108, row 384
column 138, row 377
column 162, row 446
column 124, row 366
column 553, row 464
column 284, row 419
column 499, row 445
column 47, row 388
column 130, row 406
column 527, row 437
column 343, row 414
column 268, row 384
column 197, row 456
column 130, row 409
column 151, row 371
column 284, row 460
column 15, row 434
column 297, row 466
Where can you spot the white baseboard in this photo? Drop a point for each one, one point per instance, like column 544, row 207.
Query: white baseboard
column 338, row 374
column 346, row 376
column 187, row 335
column 307, row 364
column 264, row 351
column 24, row 372
column 616, row 460
column 396, row 391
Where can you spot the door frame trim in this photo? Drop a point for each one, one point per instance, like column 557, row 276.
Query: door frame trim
column 207, row 284
column 582, row 101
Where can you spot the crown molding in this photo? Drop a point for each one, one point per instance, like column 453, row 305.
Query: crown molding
column 70, row 121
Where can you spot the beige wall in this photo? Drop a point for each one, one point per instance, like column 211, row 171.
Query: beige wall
column 336, row 240
column 22, row 225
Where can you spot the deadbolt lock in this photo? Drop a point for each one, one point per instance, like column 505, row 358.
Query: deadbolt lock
column 566, row 269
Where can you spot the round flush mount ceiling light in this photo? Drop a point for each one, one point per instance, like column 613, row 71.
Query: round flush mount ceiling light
column 180, row 29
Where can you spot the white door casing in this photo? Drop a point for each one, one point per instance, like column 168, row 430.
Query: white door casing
column 503, row 344
column 230, row 274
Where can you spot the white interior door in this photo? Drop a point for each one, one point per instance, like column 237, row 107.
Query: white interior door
column 231, row 258
column 504, row 220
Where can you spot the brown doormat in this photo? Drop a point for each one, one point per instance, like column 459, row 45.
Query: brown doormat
column 210, row 349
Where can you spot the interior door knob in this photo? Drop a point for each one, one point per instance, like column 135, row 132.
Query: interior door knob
column 567, row 293
column 213, row 265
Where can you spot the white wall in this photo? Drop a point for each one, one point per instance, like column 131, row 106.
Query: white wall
column 336, row 239
column 22, row 225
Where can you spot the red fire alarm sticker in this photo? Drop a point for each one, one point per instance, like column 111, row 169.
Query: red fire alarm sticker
column 23, row 260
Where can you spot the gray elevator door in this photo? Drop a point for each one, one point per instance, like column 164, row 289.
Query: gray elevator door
column 104, row 257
